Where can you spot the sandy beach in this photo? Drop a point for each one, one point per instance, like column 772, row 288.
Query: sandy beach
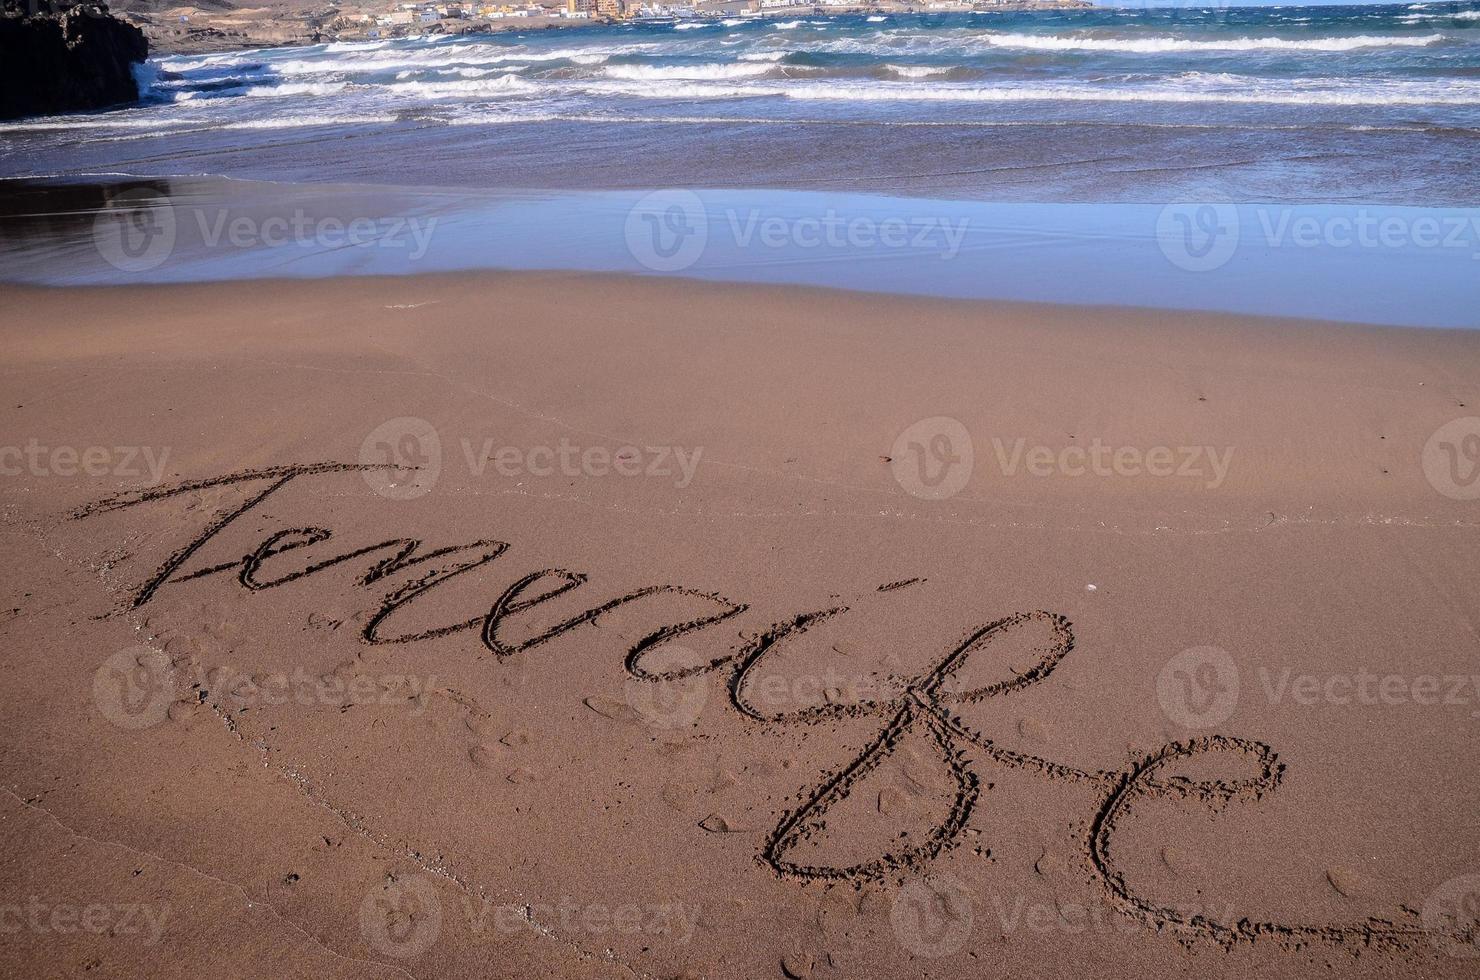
column 564, row 625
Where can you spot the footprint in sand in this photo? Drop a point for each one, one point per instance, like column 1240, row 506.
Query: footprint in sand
column 609, row 707
column 678, row 796
column 892, row 801
column 480, row 725
column 184, row 713
column 1032, row 728
column 483, row 756
column 716, row 824
column 1178, row 861
column 797, row 965
column 1344, row 880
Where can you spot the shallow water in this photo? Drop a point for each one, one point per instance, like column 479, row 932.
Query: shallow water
column 1367, row 263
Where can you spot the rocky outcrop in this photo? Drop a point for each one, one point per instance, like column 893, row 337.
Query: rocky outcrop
column 80, row 58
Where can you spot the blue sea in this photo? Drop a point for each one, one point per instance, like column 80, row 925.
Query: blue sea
column 1105, row 129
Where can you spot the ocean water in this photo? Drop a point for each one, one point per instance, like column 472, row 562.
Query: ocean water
column 1401, row 266
column 1305, row 161
column 1296, row 104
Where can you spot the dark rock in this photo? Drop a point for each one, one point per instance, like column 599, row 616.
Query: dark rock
column 77, row 59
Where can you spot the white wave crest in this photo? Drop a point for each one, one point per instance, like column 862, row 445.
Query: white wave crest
column 1191, row 88
column 285, row 89
column 355, row 45
column 1158, row 45
column 504, row 85
column 917, row 71
column 645, row 72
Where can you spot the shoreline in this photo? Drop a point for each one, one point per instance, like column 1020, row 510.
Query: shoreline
column 1262, row 263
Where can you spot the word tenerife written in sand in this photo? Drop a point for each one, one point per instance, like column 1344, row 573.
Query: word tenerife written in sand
column 926, row 704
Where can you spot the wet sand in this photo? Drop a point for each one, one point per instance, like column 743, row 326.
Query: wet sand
column 1369, row 264
column 561, row 625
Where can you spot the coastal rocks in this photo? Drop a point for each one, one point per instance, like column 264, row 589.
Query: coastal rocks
column 80, row 59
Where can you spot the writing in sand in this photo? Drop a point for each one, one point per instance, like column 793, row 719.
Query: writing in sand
column 924, row 704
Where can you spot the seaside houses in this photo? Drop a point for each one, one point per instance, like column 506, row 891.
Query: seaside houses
column 612, row 9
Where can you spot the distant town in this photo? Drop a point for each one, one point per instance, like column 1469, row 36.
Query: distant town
column 453, row 16
column 190, row 29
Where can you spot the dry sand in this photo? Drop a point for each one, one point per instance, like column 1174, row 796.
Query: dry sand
column 826, row 725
